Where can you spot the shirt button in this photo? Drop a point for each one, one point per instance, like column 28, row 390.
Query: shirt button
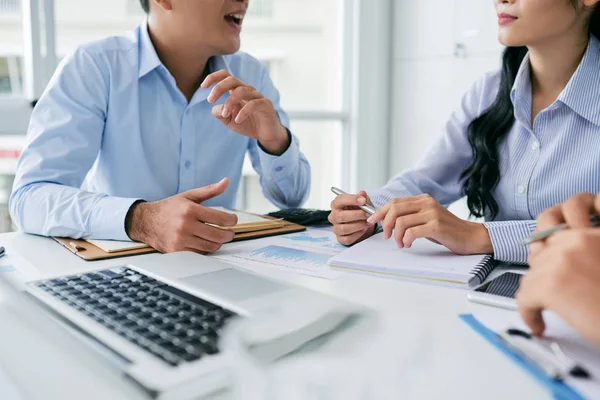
column 187, row 164
column 521, row 189
column 535, row 146
column 279, row 169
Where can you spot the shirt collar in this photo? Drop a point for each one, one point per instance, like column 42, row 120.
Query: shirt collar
column 582, row 93
column 149, row 60
column 521, row 95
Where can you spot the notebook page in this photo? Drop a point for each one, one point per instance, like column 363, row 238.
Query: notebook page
column 424, row 259
column 243, row 218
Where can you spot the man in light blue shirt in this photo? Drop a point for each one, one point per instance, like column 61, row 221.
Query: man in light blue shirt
column 133, row 131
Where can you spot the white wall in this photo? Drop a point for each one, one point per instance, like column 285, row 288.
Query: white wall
column 429, row 76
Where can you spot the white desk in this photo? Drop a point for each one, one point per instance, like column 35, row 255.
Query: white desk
column 456, row 363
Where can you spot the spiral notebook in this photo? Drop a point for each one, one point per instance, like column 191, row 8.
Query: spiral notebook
column 425, row 261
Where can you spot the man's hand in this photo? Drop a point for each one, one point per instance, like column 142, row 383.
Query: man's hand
column 179, row 223
column 564, row 274
column 575, row 212
column 247, row 111
column 565, row 277
column 349, row 221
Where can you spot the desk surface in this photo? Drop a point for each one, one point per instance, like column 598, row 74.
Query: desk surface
column 455, row 362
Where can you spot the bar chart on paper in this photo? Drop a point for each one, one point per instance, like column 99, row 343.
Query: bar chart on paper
column 306, row 253
column 289, row 256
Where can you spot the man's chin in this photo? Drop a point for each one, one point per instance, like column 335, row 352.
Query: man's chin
column 230, row 48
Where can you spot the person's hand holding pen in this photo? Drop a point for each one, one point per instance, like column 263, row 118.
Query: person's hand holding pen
column 564, row 274
column 349, row 220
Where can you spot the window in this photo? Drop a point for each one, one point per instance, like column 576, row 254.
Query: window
column 11, row 48
column 82, row 21
column 261, row 9
column 304, row 51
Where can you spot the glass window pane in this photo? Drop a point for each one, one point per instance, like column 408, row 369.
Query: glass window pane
column 82, row 21
column 11, row 47
column 321, row 143
column 302, row 47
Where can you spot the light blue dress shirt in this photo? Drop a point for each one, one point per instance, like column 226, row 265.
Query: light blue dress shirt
column 540, row 165
column 112, row 128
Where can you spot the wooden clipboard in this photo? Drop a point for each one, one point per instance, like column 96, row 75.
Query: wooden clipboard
column 88, row 252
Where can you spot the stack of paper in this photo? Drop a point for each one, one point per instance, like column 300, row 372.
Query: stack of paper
column 251, row 222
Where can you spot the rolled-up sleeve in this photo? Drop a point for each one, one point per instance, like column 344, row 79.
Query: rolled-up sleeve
column 63, row 142
column 285, row 179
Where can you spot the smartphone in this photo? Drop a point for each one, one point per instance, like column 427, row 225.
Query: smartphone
column 499, row 292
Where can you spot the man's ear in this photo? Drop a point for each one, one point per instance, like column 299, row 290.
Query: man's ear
column 165, row 5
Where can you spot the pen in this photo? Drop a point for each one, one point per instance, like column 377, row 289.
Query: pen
column 366, row 208
column 2, row 251
column 556, row 364
column 594, row 219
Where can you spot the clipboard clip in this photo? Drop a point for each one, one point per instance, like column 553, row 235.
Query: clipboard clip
column 75, row 247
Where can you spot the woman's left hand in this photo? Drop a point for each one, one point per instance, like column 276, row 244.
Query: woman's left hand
column 422, row 216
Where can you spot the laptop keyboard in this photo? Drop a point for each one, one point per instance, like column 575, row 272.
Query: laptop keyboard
column 165, row 321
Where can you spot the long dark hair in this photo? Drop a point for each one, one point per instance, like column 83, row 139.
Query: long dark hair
column 486, row 132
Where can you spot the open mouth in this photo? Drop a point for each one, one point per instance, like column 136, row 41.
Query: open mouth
column 235, row 19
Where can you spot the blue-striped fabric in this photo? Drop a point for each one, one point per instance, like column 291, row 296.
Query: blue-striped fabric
column 540, row 166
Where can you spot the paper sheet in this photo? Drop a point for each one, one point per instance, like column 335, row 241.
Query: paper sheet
column 113, row 246
column 243, row 218
column 558, row 331
column 305, row 253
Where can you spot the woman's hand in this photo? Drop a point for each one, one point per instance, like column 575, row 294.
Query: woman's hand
column 349, row 221
column 422, row 216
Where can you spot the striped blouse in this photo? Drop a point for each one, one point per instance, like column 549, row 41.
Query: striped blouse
column 540, row 165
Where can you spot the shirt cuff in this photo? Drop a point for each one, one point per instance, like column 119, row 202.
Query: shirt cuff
column 107, row 219
column 279, row 168
column 380, row 197
column 506, row 239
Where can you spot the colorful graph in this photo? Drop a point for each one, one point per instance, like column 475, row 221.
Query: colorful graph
column 321, row 241
column 288, row 256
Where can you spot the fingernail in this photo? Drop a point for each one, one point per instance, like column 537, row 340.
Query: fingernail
column 225, row 112
column 362, row 200
column 238, row 119
column 370, row 219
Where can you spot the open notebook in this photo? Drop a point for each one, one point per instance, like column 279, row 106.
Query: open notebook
column 425, row 260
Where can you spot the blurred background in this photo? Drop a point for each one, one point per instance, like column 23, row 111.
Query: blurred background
column 368, row 84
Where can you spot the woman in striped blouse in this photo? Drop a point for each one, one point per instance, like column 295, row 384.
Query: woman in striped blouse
column 524, row 139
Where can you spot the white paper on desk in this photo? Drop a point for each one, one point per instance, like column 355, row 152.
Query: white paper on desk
column 558, row 331
column 243, row 218
column 306, row 253
column 114, row 246
column 424, row 260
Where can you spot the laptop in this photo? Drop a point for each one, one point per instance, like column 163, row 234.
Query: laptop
column 163, row 317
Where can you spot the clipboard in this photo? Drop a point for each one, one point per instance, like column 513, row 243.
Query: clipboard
column 88, row 252
column 559, row 389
